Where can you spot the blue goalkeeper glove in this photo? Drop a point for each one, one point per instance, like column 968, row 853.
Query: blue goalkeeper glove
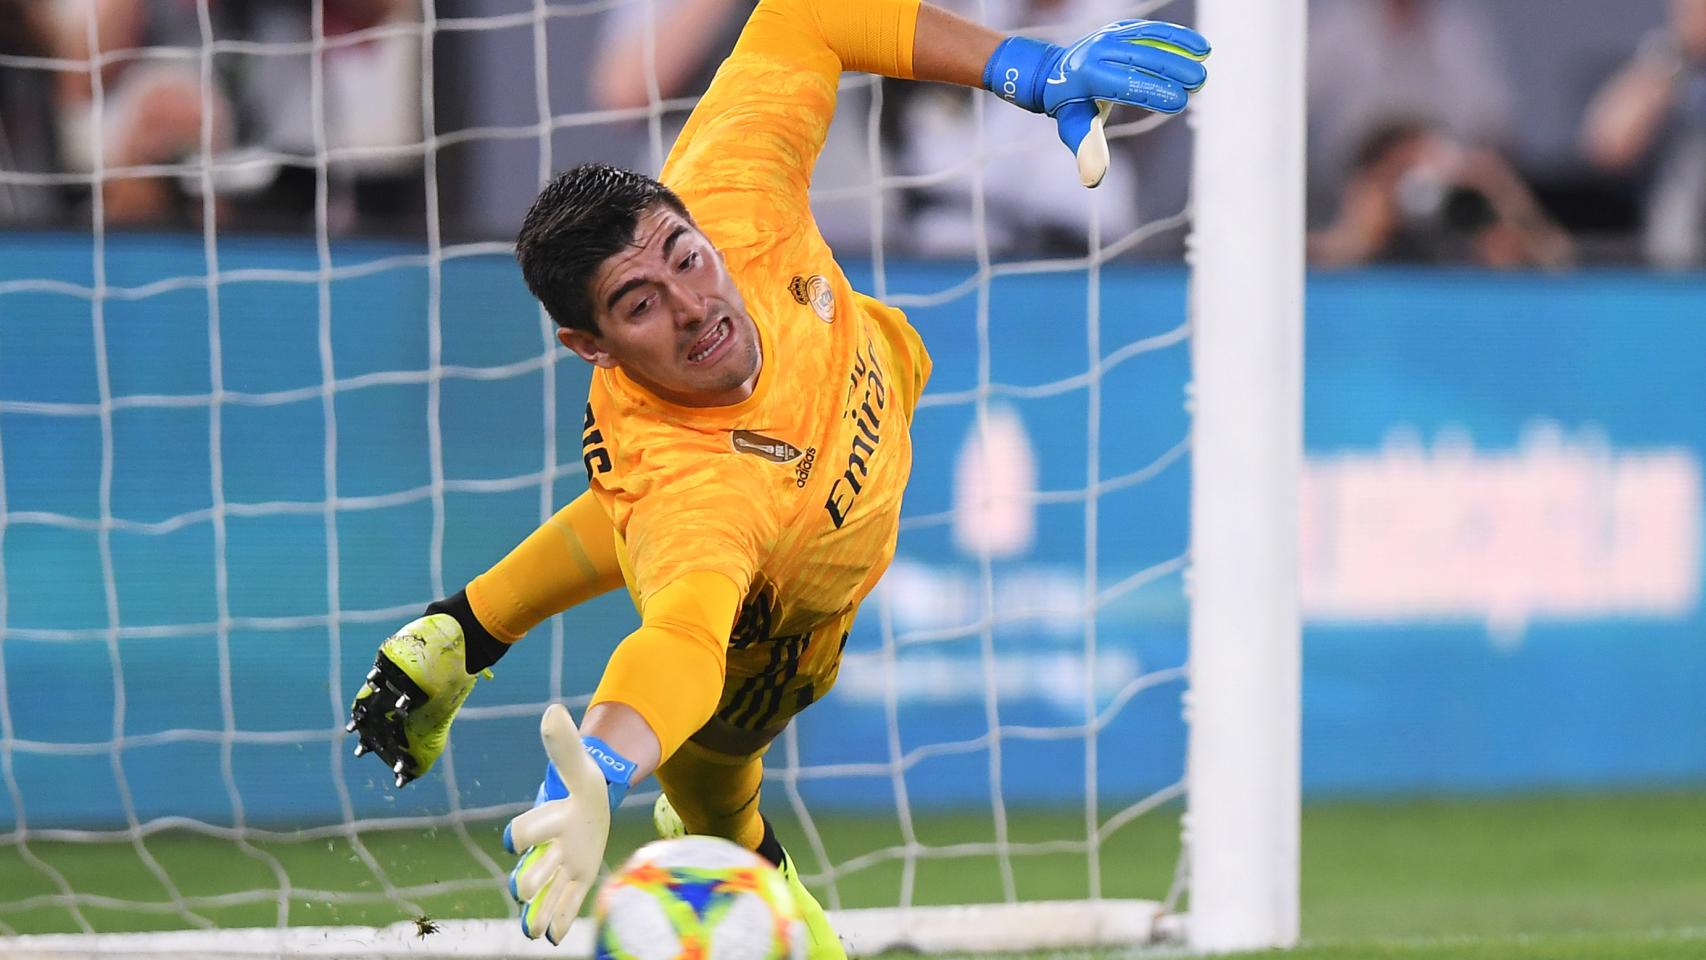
column 1142, row 63
column 563, row 836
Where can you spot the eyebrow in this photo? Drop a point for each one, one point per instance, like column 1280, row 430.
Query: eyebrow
column 626, row 288
column 623, row 290
column 669, row 241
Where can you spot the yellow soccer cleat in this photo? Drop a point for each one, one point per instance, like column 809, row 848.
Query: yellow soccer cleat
column 666, row 820
column 418, row 682
column 823, row 943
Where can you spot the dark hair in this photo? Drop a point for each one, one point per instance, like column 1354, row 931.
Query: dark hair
column 580, row 219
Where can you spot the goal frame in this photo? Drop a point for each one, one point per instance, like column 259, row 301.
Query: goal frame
column 1243, row 764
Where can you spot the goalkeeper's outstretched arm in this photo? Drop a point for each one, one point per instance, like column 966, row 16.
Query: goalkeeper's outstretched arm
column 1143, row 63
column 661, row 685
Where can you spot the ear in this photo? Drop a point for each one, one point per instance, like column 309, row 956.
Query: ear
column 585, row 346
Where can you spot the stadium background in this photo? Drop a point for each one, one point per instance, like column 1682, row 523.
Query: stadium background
column 1502, row 523
column 1568, row 657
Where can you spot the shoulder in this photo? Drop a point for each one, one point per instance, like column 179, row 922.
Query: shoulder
column 762, row 110
column 755, row 94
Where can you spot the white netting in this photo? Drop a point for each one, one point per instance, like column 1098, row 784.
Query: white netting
column 232, row 462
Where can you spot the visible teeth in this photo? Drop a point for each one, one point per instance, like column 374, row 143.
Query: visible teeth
column 716, row 338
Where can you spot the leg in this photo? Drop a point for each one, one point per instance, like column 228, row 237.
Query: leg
column 714, row 794
column 717, row 795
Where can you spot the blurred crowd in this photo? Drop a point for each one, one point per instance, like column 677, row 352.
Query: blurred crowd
column 1417, row 149
column 1413, row 117
column 179, row 81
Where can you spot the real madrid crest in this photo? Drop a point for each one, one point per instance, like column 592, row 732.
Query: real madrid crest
column 815, row 292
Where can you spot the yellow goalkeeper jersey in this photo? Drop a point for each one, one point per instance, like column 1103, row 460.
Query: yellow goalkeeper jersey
column 794, row 493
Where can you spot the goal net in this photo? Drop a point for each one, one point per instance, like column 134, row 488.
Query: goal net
column 276, row 387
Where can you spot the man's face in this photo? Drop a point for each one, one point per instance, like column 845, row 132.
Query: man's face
column 670, row 317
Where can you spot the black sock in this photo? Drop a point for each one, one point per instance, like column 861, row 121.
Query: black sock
column 770, row 848
column 482, row 648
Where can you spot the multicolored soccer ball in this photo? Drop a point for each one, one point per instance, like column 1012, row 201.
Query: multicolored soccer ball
column 697, row 898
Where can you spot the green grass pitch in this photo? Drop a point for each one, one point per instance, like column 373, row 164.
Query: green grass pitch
column 1596, row 877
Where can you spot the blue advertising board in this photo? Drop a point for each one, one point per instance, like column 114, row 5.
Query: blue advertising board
column 1501, row 531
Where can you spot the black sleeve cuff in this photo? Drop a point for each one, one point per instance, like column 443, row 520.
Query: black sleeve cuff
column 482, row 648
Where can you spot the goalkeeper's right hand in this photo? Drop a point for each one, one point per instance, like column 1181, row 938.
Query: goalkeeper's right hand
column 418, row 682
column 561, row 840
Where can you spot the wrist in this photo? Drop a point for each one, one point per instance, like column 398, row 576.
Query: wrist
column 618, row 772
column 1016, row 71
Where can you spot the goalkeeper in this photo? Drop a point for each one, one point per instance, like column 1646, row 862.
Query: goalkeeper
column 746, row 434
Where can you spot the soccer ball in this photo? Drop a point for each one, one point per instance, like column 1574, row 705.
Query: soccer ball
column 697, row 898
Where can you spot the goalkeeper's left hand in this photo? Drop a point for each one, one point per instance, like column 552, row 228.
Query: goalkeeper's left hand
column 563, row 836
column 1143, row 63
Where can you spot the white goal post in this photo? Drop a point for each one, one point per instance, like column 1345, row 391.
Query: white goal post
column 1243, row 768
